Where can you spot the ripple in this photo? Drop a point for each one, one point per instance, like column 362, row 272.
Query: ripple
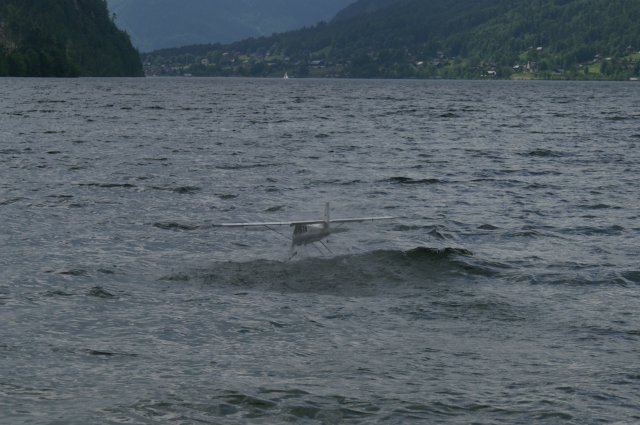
column 183, row 190
column 599, row 207
column 11, row 201
column 100, row 292
column 487, row 227
column 109, row 185
column 544, row 153
column 72, row 272
column 592, row 231
column 172, row 225
column 102, row 353
column 409, row 180
column 633, row 276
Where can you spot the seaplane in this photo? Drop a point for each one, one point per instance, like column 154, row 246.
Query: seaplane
column 306, row 232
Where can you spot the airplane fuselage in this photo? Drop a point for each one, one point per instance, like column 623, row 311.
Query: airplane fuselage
column 304, row 234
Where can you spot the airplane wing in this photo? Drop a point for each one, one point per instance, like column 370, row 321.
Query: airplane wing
column 359, row 219
column 273, row 223
column 301, row 222
column 304, row 222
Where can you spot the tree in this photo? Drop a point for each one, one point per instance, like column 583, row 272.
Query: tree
column 62, row 38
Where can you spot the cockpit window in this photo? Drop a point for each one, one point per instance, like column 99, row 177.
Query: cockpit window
column 299, row 229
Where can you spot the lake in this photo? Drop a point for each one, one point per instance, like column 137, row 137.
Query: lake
column 505, row 290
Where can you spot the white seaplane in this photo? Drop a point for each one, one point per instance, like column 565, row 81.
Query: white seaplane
column 307, row 232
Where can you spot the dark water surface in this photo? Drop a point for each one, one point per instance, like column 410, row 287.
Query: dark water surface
column 507, row 291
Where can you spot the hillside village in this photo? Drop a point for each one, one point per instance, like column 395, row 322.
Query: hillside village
column 532, row 64
column 546, row 39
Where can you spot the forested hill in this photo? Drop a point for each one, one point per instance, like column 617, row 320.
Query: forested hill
column 564, row 39
column 63, row 38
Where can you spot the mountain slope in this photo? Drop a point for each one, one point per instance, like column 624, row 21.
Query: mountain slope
column 63, row 38
column 157, row 24
column 363, row 7
column 441, row 38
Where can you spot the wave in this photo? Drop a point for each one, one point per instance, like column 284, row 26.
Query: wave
column 387, row 272
column 367, row 273
column 263, row 405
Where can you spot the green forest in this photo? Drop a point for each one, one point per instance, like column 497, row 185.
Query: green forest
column 63, row 38
column 519, row 39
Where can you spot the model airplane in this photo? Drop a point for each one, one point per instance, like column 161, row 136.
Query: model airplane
column 309, row 231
